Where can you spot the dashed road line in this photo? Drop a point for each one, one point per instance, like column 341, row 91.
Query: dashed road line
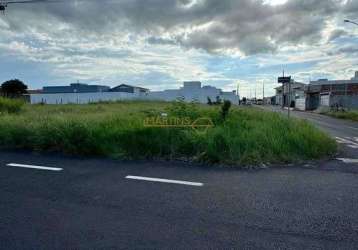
column 33, row 167
column 349, row 142
column 347, row 160
column 198, row 184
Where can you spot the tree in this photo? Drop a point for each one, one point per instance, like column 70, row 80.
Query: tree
column 218, row 100
column 209, row 101
column 13, row 88
column 225, row 109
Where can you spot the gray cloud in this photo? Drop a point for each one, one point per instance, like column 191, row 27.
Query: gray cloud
column 350, row 49
column 248, row 26
column 336, row 34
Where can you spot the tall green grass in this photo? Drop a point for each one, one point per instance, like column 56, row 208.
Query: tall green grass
column 247, row 136
column 347, row 115
column 10, row 105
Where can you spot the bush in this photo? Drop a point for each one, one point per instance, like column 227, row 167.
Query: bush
column 225, row 109
column 182, row 109
column 209, row 101
column 10, row 105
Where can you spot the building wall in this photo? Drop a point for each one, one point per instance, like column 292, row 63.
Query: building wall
column 191, row 91
column 193, row 94
column 349, row 101
column 80, row 98
column 300, row 104
column 343, row 93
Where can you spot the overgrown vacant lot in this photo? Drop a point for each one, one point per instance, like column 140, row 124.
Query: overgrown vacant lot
column 247, row 136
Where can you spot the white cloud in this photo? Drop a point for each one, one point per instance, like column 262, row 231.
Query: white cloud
column 162, row 42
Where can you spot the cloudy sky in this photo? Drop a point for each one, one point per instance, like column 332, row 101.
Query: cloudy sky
column 160, row 43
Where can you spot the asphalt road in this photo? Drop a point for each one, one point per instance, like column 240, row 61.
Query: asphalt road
column 73, row 203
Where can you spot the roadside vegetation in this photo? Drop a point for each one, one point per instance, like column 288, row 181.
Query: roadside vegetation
column 240, row 136
column 10, row 105
column 347, row 115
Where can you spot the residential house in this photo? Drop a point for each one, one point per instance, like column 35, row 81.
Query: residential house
column 283, row 96
column 327, row 93
column 130, row 89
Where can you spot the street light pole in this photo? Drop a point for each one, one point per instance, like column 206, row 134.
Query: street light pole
column 346, row 88
column 349, row 21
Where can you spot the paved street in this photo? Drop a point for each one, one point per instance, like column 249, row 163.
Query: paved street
column 56, row 202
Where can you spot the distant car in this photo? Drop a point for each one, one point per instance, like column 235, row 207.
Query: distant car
column 259, row 102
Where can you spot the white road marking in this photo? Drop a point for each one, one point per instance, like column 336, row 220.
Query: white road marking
column 347, row 160
column 198, row 184
column 33, row 166
column 347, row 141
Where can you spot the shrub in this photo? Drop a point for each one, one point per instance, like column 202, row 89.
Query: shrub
column 209, row 101
column 225, row 109
column 10, row 105
column 182, row 109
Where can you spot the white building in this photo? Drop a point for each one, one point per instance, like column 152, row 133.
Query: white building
column 191, row 91
column 194, row 92
column 80, row 98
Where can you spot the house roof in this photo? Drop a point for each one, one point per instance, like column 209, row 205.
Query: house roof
column 34, row 91
column 129, row 86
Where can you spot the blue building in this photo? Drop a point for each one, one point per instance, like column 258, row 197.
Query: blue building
column 75, row 88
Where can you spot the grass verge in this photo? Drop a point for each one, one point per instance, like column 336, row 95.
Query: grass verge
column 10, row 105
column 347, row 115
column 248, row 136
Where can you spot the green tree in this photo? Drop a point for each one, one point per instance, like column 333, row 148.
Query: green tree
column 225, row 109
column 13, row 88
column 218, row 100
column 209, row 101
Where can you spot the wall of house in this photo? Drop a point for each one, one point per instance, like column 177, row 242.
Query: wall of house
column 84, row 98
column 191, row 95
column 349, row 101
column 300, row 104
column 191, row 91
column 80, row 98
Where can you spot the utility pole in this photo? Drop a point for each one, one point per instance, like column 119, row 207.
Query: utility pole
column 289, row 99
column 237, row 92
column 345, row 96
column 283, row 90
column 286, row 80
column 263, row 92
column 255, row 90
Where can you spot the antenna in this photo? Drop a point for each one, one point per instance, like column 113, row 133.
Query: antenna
column 4, row 4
